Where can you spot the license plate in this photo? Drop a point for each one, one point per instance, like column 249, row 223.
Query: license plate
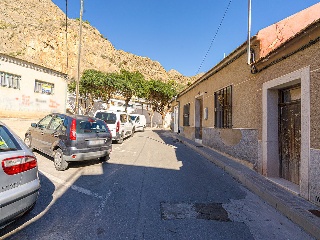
column 96, row 142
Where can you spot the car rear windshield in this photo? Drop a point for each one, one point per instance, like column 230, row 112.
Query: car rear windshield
column 109, row 118
column 7, row 141
column 133, row 117
column 89, row 126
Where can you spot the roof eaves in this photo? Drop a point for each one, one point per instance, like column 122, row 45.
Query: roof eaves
column 3, row 56
column 308, row 28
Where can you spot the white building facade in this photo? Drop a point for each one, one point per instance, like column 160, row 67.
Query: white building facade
column 29, row 90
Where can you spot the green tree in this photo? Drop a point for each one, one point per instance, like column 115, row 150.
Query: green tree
column 94, row 85
column 131, row 84
column 160, row 95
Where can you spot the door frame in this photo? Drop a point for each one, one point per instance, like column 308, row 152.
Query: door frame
column 270, row 146
column 198, row 110
column 289, row 164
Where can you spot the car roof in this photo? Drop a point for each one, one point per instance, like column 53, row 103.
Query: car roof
column 76, row 116
column 111, row 111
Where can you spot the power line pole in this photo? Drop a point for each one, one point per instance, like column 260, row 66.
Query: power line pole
column 79, row 54
column 249, row 32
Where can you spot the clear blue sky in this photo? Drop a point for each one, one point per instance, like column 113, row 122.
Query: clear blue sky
column 178, row 33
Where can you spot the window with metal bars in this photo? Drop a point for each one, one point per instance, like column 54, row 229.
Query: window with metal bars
column 223, row 108
column 43, row 87
column 10, row 80
column 186, row 114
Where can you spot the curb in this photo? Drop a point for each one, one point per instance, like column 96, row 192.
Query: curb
column 292, row 206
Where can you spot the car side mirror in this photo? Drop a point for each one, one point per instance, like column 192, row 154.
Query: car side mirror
column 33, row 125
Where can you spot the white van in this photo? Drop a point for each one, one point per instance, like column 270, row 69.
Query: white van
column 119, row 124
column 139, row 122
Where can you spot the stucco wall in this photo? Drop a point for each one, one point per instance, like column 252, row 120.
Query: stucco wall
column 244, row 104
column 307, row 57
column 24, row 102
column 309, row 169
column 239, row 143
column 244, row 96
column 247, row 113
column 314, row 176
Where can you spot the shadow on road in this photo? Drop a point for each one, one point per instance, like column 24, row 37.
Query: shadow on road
column 44, row 199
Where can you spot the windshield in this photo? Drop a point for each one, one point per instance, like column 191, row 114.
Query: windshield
column 133, row 118
column 7, row 141
column 91, row 126
column 109, row 118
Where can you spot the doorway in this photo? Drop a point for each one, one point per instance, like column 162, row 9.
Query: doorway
column 290, row 133
column 198, row 118
column 271, row 123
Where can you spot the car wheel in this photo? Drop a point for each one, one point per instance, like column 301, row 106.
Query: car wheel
column 120, row 140
column 104, row 158
column 59, row 162
column 27, row 141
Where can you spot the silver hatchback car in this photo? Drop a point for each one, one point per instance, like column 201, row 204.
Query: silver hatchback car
column 19, row 181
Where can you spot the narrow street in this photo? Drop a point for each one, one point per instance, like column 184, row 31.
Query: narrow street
column 153, row 187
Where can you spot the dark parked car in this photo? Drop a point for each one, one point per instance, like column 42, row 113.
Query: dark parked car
column 19, row 182
column 69, row 138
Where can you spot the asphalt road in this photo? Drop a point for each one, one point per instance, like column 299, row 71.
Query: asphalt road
column 151, row 188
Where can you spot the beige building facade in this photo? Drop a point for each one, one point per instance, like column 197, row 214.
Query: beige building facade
column 28, row 90
column 265, row 114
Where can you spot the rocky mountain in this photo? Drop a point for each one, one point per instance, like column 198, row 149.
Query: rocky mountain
column 37, row 31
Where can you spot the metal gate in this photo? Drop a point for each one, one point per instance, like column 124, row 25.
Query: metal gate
column 290, row 133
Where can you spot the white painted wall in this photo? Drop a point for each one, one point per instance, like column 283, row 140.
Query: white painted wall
column 25, row 100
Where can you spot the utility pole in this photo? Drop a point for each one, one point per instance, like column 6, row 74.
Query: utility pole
column 249, row 32
column 79, row 55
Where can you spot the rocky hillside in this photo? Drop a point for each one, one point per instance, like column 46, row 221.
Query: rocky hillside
column 36, row 31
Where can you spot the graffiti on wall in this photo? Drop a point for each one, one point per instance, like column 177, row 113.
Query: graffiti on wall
column 28, row 103
column 53, row 104
column 25, row 100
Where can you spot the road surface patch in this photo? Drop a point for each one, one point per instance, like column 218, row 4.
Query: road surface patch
column 206, row 211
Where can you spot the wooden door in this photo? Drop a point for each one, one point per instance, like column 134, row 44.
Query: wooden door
column 201, row 117
column 290, row 133
column 198, row 118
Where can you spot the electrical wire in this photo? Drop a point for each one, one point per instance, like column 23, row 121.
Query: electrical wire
column 205, row 56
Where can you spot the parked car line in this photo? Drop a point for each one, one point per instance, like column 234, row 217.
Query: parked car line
column 19, row 181
column 69, row 138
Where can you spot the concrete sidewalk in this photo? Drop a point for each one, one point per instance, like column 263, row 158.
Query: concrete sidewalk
column 19, row 126
column 289, row 204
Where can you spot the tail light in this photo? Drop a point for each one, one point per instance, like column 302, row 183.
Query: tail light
column 18, row 164
column 118, row 126
column 73, row 128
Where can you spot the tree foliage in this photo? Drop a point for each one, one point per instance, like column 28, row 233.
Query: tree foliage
column 95, row 85
column 160, row 95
